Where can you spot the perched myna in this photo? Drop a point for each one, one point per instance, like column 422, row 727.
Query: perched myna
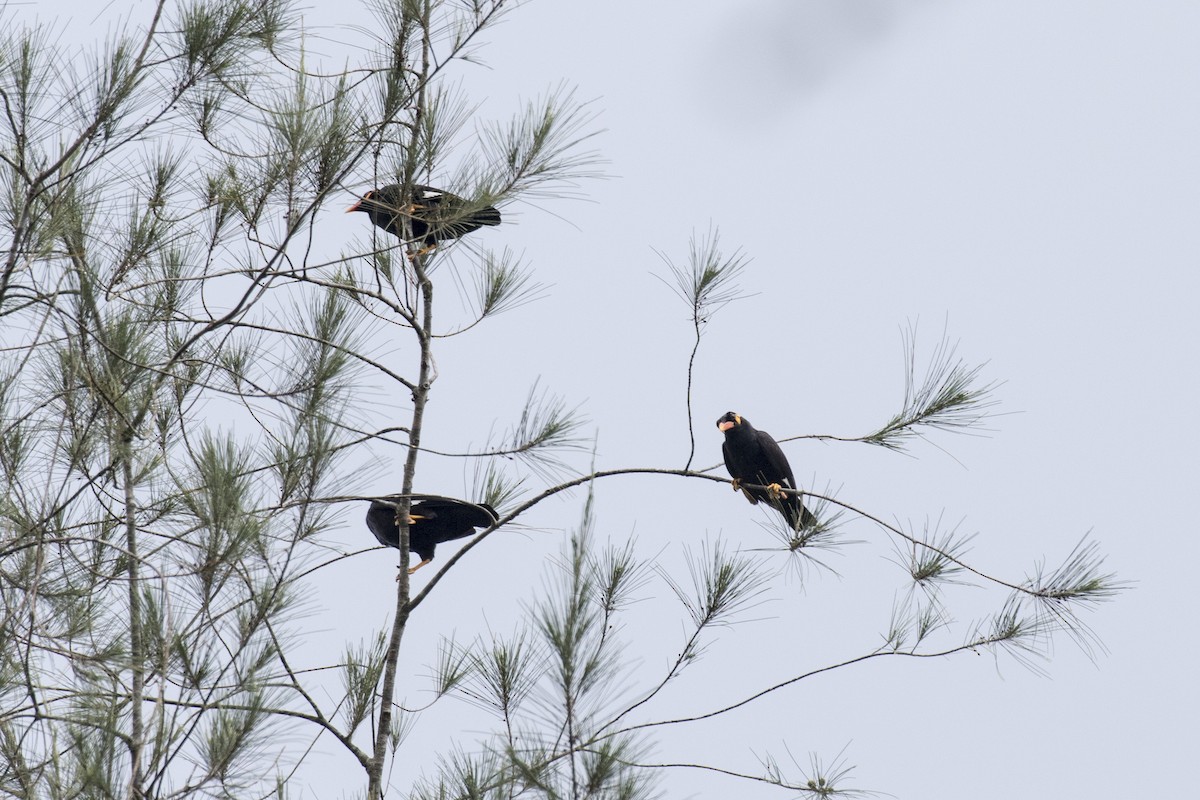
column 431, row 521
column 433, row 215
column 752, row 456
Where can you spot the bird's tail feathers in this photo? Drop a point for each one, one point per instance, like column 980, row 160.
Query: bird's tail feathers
column 486, row 216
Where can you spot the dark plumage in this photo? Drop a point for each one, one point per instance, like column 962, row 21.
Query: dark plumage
column 433, row 215
column 432, row 520
column 752, row 456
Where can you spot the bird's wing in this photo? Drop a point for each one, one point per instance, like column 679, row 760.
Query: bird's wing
column 775, row 458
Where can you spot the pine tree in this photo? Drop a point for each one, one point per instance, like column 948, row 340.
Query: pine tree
column 184, row 432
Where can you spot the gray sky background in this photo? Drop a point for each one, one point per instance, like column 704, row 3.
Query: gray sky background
column 1021, row 175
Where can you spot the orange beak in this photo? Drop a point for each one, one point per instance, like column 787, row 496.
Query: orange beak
column 354, row 207
column 724, row 426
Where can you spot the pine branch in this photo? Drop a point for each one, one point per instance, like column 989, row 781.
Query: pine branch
column 705, row 286
column 950, row 397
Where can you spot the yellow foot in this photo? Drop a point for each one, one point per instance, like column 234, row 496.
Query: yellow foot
column 775, row 490
column 424, row 251
column 737, row 484
column 411, row 570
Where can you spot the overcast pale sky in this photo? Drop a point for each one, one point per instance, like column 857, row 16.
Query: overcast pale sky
column 1023, row 175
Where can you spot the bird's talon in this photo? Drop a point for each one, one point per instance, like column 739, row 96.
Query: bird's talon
column 737, row 484
column 424, row 251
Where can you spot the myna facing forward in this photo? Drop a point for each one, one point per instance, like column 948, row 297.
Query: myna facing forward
column 753, row 457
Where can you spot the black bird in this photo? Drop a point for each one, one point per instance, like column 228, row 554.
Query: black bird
column 433, row 215
column 431, row 521
column 752, row 456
